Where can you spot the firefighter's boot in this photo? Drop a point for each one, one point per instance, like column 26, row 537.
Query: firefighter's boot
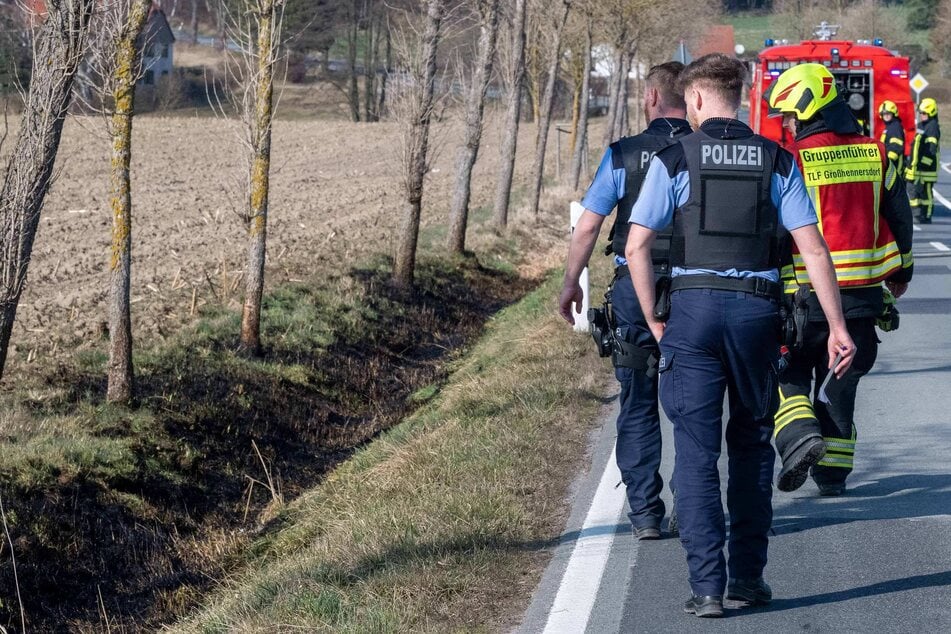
column 798, row 437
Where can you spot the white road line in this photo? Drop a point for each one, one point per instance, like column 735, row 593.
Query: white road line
column 940, row 246
column 941, row 199
column 945, row 167
column 916, row 227
column 579, row 585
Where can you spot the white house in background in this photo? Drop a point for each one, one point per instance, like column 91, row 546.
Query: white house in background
column 159, row 41
column 159, row 49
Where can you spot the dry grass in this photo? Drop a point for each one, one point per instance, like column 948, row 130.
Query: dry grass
column 440, row 523
column 154, row 507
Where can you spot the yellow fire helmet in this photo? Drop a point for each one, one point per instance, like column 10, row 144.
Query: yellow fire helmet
column 889, row 107
column 929, row 106
column 803, row 90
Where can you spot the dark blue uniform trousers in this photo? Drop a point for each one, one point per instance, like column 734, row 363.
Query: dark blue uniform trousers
column 638, row 424
column 720, row 342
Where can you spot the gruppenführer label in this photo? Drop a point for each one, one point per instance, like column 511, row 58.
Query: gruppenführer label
column 837, row 164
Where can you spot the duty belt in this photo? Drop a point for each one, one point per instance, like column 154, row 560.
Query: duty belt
column 757, row 286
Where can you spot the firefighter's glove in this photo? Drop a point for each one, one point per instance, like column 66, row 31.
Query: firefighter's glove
column 888, row 320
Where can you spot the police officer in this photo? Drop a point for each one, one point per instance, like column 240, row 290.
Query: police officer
column 922, row 171
column 617, row 184
column 893, row 136
column 725, row 189
column 866, row 221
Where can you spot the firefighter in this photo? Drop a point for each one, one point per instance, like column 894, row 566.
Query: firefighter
column 726, row 190
column 616, row 184
column 893, row 136
column 866, row 222
column 923, row 164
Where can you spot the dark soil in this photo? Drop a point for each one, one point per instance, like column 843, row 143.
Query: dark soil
column 138, row 547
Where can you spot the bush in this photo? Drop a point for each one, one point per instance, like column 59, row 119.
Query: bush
column 941, row 38
column 185, row 87
column 921, row 14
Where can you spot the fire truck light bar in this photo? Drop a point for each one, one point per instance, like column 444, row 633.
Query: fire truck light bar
column 896, row 72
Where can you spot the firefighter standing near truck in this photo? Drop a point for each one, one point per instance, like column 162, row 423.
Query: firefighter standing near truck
column 628, row 339
column 893, row 136
column 923, row 163
column 866, row 221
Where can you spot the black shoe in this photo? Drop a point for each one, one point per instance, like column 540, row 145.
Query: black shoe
column 750, row 591
column 706, row 607
column 925, row 220
column 645, row 533
column 796, row 467
column 833, row 489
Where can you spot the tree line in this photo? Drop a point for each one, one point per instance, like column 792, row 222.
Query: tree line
column 526, row 47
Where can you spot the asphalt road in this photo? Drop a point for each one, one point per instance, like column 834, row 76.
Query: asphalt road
column 876, row 560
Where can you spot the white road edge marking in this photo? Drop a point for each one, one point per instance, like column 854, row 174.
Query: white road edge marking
column 945, row 167
column 916, row 227
column 941, row 199
column 940, row 246
column 576, row 595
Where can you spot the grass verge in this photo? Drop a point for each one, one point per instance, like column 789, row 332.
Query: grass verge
column 122, row 518
column 443, row 521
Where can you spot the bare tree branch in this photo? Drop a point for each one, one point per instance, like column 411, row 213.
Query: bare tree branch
column 59, row 48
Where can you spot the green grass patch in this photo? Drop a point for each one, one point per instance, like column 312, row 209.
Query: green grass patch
column 143, row 502
column 433, row 525
column 752, row 28
column 123, row 518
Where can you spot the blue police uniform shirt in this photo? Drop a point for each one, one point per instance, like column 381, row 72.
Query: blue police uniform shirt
column 667, row 187
column 609, row 184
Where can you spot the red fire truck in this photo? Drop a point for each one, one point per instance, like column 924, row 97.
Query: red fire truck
column 866, row 74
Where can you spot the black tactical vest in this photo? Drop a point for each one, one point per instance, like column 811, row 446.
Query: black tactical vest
column 729, row 220
column 634, row 154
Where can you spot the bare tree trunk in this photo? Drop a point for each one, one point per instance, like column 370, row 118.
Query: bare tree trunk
column 581, row 141
column 259, row 178
column 125, row 74
column 620, row 120
column 475, row 107
column 58, row 50
column 404, row 266
column 541, row 141
column 503, row 191
column 613, row 97
column 369, row 71
column 219, row 11
column 387, row 62
column 534, row 75
column 222, row 40
column 353, row 93
column 638, row 99
column 193, row 27
column 575, row 112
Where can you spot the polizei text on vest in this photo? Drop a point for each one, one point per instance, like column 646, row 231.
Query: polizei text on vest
column 731, row 155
